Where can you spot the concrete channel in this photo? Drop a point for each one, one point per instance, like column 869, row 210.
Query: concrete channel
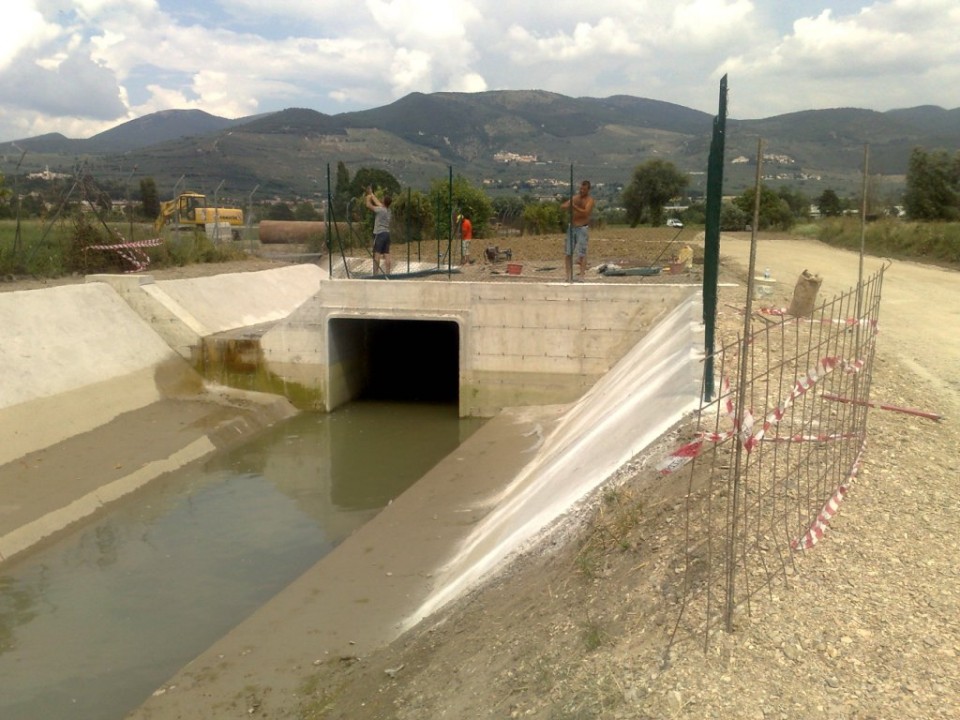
column 576, row 378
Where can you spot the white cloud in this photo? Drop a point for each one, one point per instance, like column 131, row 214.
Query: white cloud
column 24, row 28
column 81, row 61
column 877, row 58
column 706, row 22
column 607, row 37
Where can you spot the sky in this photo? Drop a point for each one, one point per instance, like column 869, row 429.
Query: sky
column 79, row 67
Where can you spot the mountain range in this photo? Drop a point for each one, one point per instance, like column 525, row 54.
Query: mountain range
column 507, row 140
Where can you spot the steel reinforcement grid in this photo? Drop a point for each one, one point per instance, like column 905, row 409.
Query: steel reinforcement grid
column 772, row 456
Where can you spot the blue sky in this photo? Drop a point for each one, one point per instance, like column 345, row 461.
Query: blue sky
column 82, row 66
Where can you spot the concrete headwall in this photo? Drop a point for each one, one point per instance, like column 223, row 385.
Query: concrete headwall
column 523, row 344
column 185, row 311
column 73, row 358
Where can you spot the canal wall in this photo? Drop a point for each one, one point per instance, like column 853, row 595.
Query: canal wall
column 74, row 357
column 184, row 311
column 522, row 344
column 97, row 396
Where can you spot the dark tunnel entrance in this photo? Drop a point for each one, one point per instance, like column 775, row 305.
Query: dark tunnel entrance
column 402, row 360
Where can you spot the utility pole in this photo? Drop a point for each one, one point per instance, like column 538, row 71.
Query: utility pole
column 129, row 208
column 16, row 191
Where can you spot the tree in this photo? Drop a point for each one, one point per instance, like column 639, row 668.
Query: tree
column 933, row 186
column 305, row 211
column 797, row 201
column 380, row 180
column 149, row 198
column 382, row 183
column 732, row 218
column 280, row 211
column 413, row 216
column 774, row 211
column 540, row 218
column 508, row 209
column 341, row 194
column 830, row 204
column 467, row 199
column 654, row 184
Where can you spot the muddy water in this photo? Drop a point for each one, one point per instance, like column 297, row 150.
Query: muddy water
column 91, row 625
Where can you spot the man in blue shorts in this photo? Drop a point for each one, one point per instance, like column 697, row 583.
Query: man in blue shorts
column 381, row 231
column 578, row 233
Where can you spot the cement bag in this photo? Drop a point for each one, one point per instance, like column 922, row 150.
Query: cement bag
column 805, row 295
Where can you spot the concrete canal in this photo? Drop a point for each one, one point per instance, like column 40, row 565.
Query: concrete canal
column 91, row 624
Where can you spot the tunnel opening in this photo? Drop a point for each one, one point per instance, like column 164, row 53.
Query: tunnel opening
column 399, row 360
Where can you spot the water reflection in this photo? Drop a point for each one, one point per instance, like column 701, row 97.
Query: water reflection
column 93, row 624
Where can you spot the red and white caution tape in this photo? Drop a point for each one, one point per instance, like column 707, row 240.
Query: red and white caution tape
column 748, row 436
column 685, row 453
column 152, row 242
column 800, row 437
column 825, row 366
column 846, row 322
column 819, row 527
column 131, row 252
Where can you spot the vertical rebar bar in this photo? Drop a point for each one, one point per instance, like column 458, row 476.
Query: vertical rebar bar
column 740, row 429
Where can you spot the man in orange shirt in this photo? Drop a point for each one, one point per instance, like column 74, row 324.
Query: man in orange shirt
column 466, row 235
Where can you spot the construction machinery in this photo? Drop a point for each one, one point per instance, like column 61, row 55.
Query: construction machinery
column 190, row 210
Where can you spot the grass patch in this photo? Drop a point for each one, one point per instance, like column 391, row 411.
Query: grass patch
column 54, row 249
column 614, row 528
column 594, row 635
column 933, row 242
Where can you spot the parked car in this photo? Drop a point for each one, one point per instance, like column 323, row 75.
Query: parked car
column 674, row 222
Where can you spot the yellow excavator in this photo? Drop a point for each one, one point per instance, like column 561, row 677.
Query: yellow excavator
column 190, row 210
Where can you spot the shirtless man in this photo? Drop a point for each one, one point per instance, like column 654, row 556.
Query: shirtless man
column 578, row 233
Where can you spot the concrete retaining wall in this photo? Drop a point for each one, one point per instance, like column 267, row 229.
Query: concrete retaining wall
column 187, row 310
column 101, row 365
column 73, row 358
column 524, row 344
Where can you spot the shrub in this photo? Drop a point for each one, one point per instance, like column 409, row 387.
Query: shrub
column 931, row 241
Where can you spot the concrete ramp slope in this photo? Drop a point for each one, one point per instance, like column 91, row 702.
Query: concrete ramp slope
column 648, row 390
column 185, row 311
column 235, row 300
column 73, row 358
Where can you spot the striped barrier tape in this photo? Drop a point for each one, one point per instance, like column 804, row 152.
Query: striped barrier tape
column 819, row 527
column 152, row 242
column 131, row 252
column 846, row 322
column 750, row 438
column 825, row 366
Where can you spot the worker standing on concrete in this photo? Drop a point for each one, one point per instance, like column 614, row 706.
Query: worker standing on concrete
column 466, row 235
column 381, row 231
column 578, row 232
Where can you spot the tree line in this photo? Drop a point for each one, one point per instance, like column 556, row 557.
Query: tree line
column 932, row 193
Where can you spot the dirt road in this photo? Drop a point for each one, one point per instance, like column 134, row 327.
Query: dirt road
column 920, row 306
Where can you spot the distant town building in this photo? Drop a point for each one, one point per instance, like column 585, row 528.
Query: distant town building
column 45, row 174
column 508, row 157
